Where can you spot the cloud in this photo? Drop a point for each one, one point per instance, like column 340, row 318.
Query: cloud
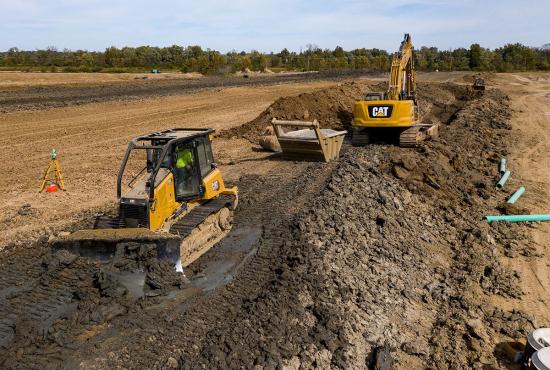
column 270, row 25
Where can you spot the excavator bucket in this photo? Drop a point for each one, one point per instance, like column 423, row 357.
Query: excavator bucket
column 305, row 141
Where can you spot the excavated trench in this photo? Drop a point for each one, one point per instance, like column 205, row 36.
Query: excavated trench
column 378, row 259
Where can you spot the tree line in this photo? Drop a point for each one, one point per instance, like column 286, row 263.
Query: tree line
column 510, row 57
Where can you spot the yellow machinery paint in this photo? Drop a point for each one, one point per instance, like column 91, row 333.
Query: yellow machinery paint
column 395, row 110
column 403, row 114
column 164, row 204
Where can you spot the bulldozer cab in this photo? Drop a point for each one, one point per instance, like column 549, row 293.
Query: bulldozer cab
column 186, row 154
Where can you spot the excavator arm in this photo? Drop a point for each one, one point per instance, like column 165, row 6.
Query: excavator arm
column 402, row 84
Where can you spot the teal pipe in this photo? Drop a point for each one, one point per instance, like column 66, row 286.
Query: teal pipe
column 502, row 181
column 517, row 218
column 502, row 166
column 516, row 195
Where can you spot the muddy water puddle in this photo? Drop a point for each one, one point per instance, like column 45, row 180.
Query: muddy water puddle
column 219, row 266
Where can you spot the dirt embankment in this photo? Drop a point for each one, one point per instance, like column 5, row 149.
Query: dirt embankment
column 333, row 107
column 392, row 263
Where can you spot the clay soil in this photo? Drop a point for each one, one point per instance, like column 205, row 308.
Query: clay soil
column 377, row 260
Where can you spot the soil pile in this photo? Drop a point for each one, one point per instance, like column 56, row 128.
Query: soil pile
column 332, row 107
column 391, row 263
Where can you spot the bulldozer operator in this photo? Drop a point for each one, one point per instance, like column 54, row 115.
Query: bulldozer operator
column 184, row 169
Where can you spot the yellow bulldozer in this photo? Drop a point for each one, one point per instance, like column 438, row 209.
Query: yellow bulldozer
column 175, row 199
column 393, row 114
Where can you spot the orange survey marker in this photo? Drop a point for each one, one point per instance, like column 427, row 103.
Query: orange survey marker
column 57, row 180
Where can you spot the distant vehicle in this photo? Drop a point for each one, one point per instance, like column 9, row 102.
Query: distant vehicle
column 155, row 71
column 479, row 84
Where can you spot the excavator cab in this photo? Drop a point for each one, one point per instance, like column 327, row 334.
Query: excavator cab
column 170, row 193
column 373, row 96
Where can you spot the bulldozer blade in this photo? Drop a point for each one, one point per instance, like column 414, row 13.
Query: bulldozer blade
column 104, row 245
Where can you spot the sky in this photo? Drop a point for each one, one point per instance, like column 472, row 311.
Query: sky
column 271, row 25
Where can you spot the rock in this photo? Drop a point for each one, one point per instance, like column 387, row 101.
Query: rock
column 26, row 210
column 409, row 163
column 476, row 329
column 381, row 358
column 269, row 131
column 171, row 363
column 400, row 172
column 292, row 364
column 322, row 359
column 431, row 181
column 417, row 347
column 270, row 143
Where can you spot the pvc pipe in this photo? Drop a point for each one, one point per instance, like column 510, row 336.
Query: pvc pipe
column 516, row 195
column 502, row 166
column 517, row 218
column 502, row 181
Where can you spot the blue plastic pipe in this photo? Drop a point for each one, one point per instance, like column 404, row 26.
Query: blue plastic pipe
column 502, row 166
column 502, row 181
column 516, row 195
column 517, row 218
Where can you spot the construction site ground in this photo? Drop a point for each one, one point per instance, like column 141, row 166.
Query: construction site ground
column 379, row 259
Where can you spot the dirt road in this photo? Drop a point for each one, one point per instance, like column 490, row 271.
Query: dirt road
column 530, row 167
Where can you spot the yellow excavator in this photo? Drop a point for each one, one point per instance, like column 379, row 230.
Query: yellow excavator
column 393, row 114
column 176, row 200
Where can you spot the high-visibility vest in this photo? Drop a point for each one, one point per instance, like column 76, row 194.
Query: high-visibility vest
column 184, row 158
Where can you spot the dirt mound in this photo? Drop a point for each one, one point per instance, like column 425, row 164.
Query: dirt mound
column 332, row 107
column 391, row 268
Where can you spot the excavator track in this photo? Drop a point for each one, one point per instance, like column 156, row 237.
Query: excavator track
column 411, row 137
column 198, row 215
column 360, row 137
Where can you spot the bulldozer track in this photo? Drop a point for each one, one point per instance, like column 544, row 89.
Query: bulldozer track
column 189, row 222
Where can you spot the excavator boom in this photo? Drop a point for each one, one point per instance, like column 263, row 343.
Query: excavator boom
column 401, row 84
